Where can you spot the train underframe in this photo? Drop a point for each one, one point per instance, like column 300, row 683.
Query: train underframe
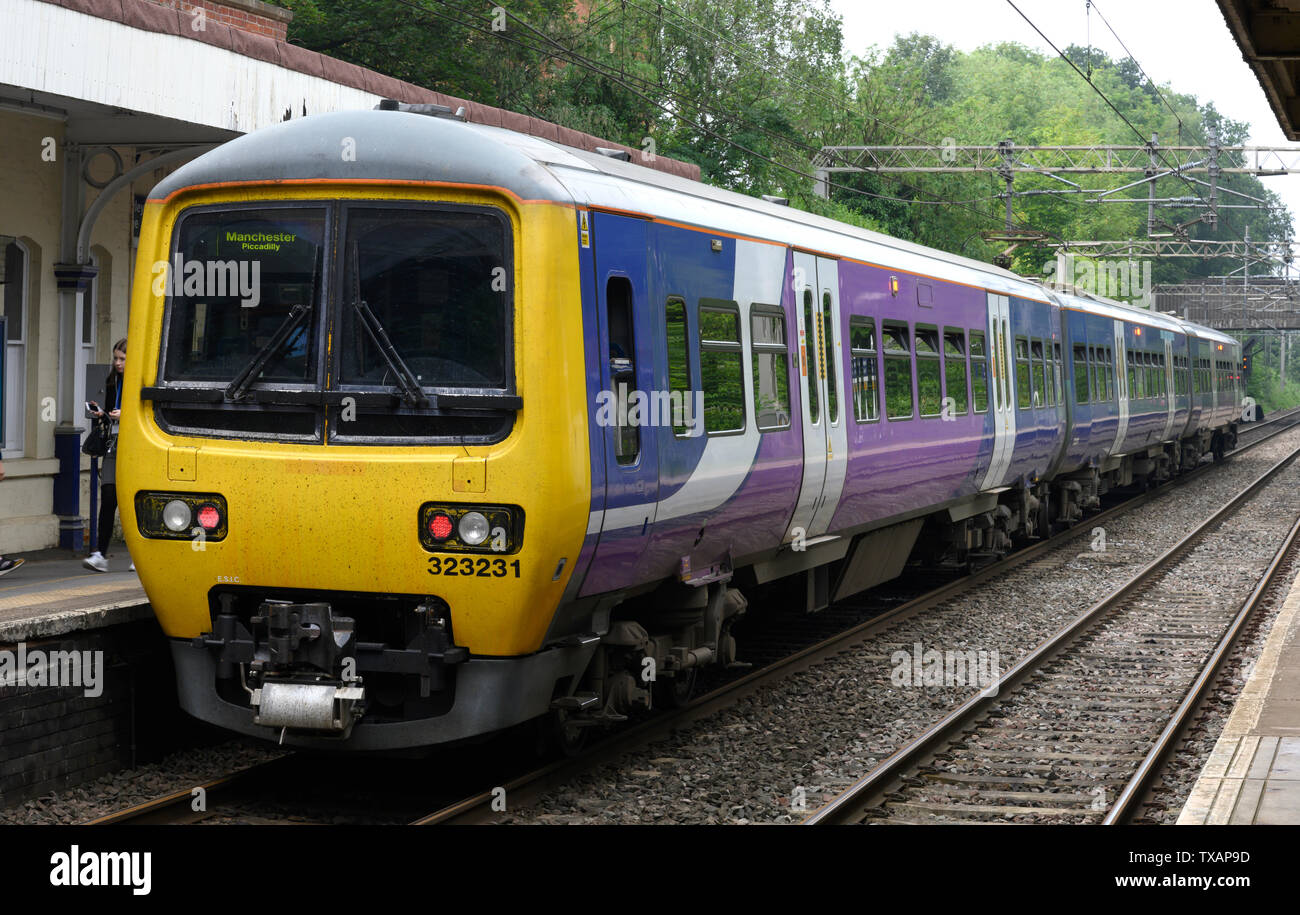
column 1035, row 510
column 383, row 672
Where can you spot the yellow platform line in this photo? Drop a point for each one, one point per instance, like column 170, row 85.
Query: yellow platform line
column 24, row 601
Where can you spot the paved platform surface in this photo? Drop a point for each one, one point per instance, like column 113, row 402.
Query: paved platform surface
column 1253, row 773
column 51, row 594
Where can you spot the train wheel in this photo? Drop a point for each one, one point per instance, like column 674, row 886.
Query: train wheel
column 562, row 734
column 674, row 692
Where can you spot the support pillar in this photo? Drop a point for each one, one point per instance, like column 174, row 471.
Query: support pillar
column 73, row 283
column 1282, row 374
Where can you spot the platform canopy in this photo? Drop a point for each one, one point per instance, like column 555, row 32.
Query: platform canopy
column 1268, row 33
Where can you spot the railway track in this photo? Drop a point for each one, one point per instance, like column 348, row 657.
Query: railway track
column 1076, row 731
column 526, row 788
column 236, row 795
column 196, row 803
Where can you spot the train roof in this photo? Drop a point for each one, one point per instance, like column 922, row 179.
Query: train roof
column 403, row 146
column 368, row 146
column 1095, row 304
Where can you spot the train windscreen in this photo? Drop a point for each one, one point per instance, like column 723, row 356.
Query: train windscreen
column 337, row 321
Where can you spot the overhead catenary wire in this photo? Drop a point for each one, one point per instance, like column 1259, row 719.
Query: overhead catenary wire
column 568, row 54
column 1132, row 57
column 744, row 51
column 1095, row 88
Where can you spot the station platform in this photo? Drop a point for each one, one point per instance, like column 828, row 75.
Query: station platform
column 52, row 595
column 1252, row 776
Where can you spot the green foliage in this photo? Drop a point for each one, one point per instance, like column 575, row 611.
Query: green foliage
column 751, row 90
column 1265, row 380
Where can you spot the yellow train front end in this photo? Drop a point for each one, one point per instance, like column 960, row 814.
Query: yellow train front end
column 353, row 465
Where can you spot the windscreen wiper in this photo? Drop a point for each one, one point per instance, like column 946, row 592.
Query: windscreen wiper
column 238, row 388
column 406, row 380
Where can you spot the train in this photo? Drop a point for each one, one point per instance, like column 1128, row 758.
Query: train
column 471, row 430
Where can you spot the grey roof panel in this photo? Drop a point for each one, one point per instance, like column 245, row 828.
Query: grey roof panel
column 389, row 145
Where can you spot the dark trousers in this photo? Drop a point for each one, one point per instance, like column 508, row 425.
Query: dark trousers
column 107, row 508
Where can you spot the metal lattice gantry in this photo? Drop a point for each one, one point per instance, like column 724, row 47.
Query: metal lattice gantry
column 1269, row 251
column 1147, row 163
column 1260, row 161
column 1234, row 302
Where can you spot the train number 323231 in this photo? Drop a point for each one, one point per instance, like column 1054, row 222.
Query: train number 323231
column 470, row 567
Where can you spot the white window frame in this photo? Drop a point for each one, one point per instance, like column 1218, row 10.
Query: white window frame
column 15, row 383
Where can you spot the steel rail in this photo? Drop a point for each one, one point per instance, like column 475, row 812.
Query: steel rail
column 1127, row 802
column 168, row 807
column 477, row 808
column 851, row 802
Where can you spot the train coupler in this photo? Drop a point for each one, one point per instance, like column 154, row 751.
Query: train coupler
column 322, row 706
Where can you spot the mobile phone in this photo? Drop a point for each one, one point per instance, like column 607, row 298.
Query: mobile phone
column 92, row 407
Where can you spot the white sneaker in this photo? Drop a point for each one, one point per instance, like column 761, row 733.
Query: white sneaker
column 96, row 561
column 133, row 567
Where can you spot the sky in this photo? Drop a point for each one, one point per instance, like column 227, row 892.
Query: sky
column 1205, row 60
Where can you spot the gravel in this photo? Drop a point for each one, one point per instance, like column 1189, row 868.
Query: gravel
column 178, row 772
column 782, row 751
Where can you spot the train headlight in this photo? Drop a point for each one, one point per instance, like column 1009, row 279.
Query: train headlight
column 473, row 528
column 448, row 527
column 176, row 516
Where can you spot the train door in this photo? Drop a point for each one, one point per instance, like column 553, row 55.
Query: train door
column 1121, row 378
column 1002, row 391
column 1170, row 400
column 830, row 378
column 626, row 341
column 816, row 290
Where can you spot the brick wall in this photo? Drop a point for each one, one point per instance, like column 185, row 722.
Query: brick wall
column 54, row 738
column 252, row 16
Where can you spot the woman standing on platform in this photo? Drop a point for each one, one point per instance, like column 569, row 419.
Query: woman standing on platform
column 108, row 470
column 7, row 565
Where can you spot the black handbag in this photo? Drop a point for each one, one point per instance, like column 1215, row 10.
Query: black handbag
column 96, row 443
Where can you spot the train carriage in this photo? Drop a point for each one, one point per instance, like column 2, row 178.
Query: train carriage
column 479, row 428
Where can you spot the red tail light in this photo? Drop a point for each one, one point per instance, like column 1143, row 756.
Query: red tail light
column 440, row 526
column 209, row 517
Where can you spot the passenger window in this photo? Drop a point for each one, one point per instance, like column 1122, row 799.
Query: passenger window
column 1024, row 394
column 1081, row 388
column 928, row 371
column 829, row 359
column 954, row 368
column 622, row 368
column 979, row 372
column 721, row 371
column 1040, row 387
column 679, row 367
column 1056, row 373
column 771, row 373
column 863, row 352
column 1094, row 357
column 898, row 371
column 810, row 348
